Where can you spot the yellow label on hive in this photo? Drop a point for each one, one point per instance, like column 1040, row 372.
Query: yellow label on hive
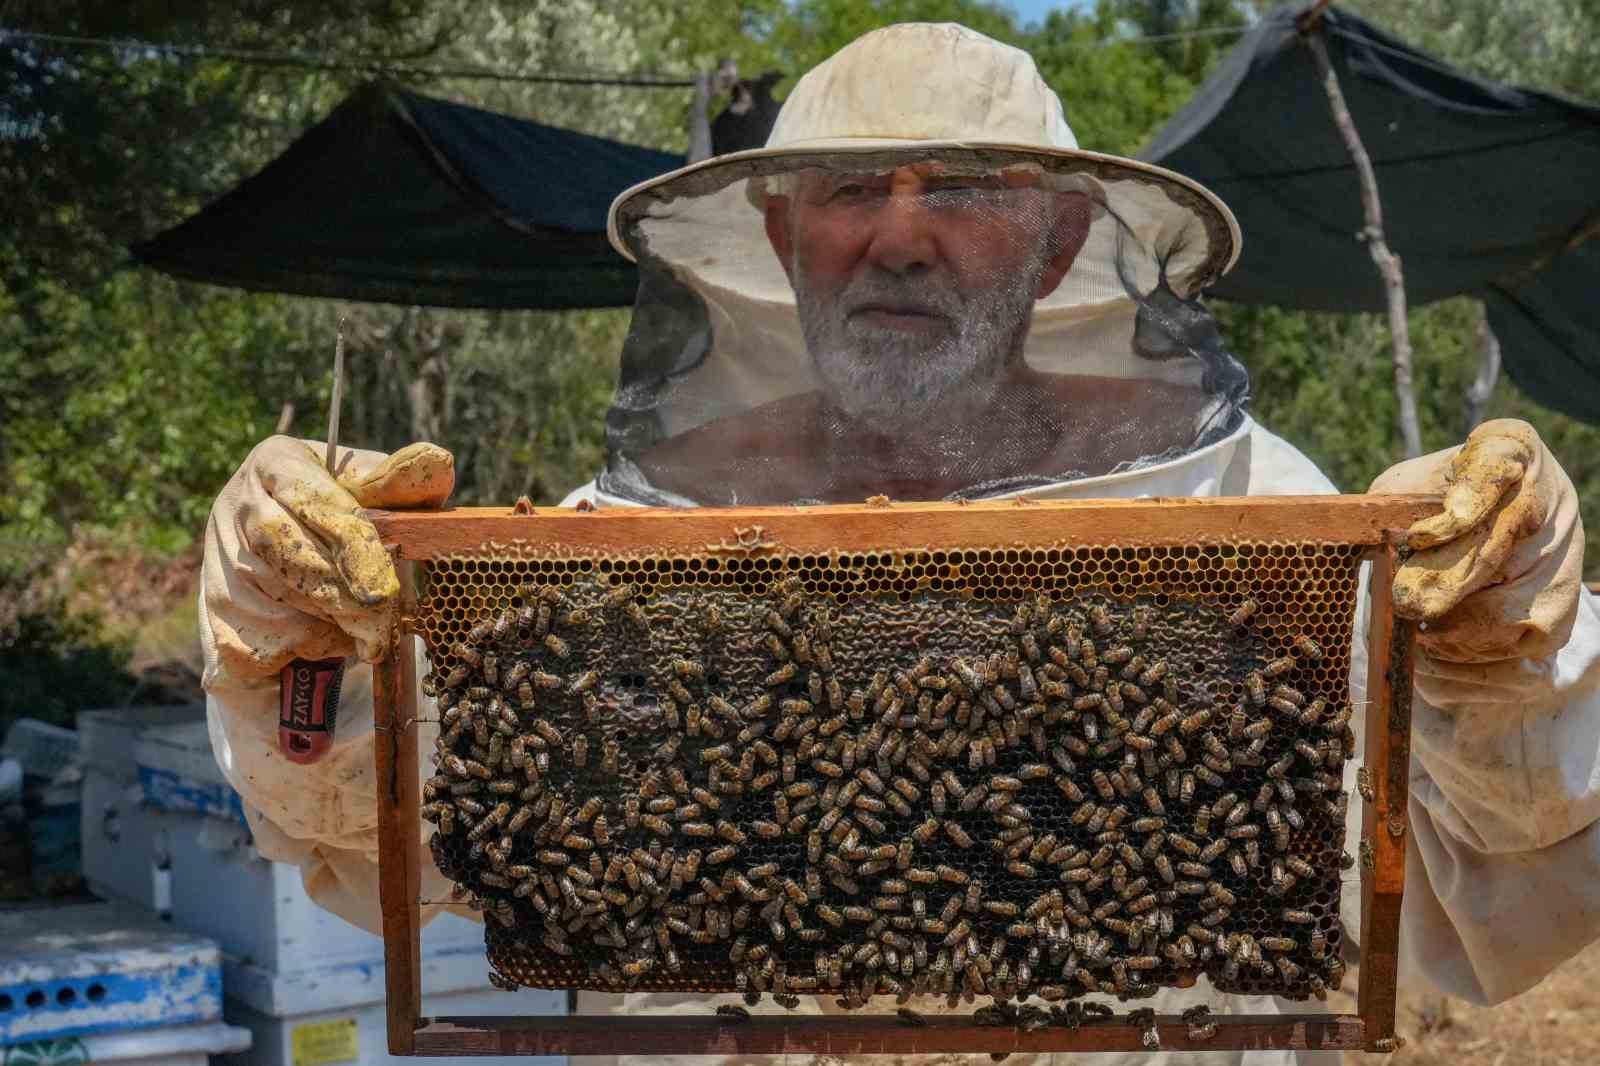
column 323, row 1043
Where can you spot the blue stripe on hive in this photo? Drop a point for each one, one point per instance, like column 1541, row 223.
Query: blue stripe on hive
column 112, row 1002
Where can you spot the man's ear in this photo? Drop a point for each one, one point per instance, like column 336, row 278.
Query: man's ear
column 1068, row 232
column 779, row 233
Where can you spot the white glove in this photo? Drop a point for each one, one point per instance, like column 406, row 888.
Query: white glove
column 1498, row 574
column 292, row 570
column 1502, row 726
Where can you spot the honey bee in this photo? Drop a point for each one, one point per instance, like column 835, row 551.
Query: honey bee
column 1278, row 667
column 1308, row 648
column 870, row 823
column 1153, row 674
column 1183, row 845
column 1243, row 613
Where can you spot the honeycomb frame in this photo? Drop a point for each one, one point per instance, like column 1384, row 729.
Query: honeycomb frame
column 1299, row 561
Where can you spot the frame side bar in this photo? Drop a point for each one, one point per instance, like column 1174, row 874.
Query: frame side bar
column 864, row 1035
column 1387, row 758
column 394, row 691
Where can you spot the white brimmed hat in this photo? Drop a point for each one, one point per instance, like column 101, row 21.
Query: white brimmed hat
column 902, row 94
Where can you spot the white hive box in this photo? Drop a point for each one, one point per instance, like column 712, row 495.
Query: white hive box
column 42, row 749
column 307, row 984
column 126, row 840
column 108, row 974
column 125, row 844
column 359, row 1034
column 154, row 772
column 181, row 1045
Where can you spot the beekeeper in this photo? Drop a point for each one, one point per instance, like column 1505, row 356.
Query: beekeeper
column 923, row 288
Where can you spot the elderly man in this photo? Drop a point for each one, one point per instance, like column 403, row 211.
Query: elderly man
column 923, row 288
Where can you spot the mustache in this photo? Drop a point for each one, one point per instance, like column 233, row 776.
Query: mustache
column 926, row 295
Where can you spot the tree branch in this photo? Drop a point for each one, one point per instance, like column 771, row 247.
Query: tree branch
column 1387, row 262
column 1475, row 400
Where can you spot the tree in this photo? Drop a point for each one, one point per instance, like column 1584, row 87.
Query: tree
column 812, row 30
column 1194, row 30
column 127, row 398
column 1116, row 92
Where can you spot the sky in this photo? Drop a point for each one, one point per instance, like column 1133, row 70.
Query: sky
column 1035, row 10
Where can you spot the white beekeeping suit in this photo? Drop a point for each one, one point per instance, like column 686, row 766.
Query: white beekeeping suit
column 923, row 288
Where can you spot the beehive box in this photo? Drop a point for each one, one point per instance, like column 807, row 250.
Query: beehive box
column 79, row 970
column 1006, row 753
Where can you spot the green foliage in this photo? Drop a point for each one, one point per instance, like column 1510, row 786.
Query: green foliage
column 1116, row 93
column 813, row 30
column 519, row 398
column 54, row 663
column 1192, row 44
column 1325, row 381
column 1547, row 44
column 126, row 412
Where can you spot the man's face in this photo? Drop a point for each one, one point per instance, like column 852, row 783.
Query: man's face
column 915, row 288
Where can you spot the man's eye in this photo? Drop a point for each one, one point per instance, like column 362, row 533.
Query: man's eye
column 849, row 191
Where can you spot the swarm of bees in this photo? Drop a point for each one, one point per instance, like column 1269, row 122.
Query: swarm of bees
column 1063, row 814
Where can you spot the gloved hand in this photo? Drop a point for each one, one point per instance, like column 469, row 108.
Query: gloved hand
column 1496, row 575
column 291, row 570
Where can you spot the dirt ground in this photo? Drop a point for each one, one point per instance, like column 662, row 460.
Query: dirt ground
column 1555, row 1024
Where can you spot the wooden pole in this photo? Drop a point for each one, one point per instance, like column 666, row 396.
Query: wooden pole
column 1387, row 262
column 1476, row 400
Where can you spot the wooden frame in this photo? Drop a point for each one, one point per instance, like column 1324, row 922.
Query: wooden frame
column 1375, row 523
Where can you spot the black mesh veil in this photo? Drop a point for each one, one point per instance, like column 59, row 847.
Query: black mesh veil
column 929, row 323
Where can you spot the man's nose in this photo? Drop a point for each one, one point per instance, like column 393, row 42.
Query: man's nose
column 903, row 237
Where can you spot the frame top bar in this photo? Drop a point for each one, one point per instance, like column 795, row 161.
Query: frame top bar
column 554, row 531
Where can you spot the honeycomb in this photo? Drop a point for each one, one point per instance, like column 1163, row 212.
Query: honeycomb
column 978, row 772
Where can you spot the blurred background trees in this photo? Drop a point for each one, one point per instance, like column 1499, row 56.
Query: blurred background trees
column 127, row 398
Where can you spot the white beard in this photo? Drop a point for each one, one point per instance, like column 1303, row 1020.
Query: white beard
column 898, row 376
